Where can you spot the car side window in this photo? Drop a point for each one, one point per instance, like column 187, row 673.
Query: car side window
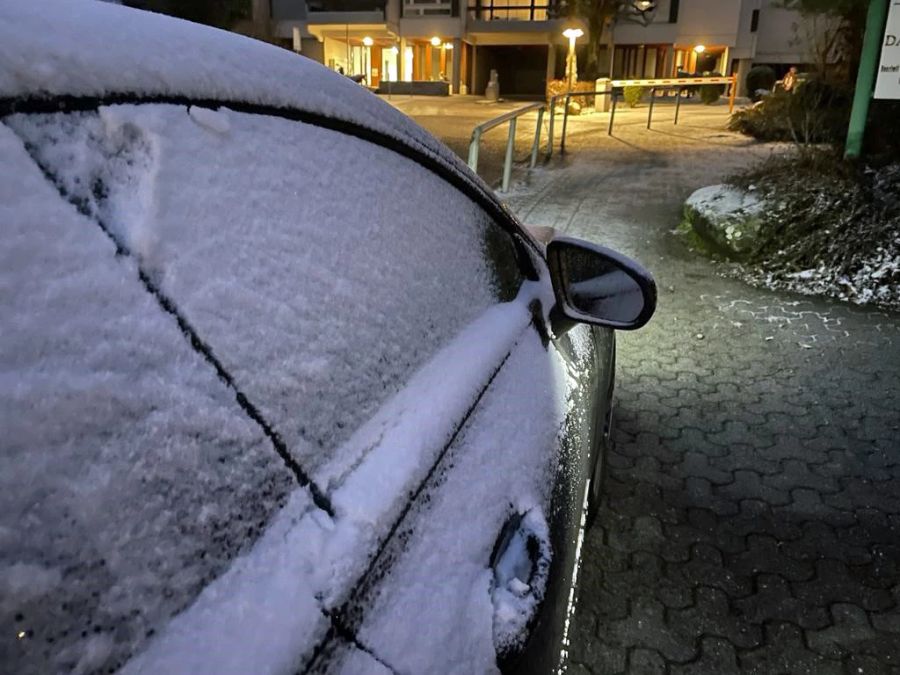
column 322, row 270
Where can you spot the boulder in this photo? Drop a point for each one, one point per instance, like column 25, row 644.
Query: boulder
column 726, row 217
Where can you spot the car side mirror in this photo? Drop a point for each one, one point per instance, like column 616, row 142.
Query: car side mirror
column 596, row 285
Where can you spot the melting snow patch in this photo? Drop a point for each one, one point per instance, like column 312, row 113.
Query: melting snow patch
column 214, row 120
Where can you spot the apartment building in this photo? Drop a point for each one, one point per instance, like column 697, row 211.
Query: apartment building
column 460, row 41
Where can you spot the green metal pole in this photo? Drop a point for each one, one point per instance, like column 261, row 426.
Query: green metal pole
column 865, row 79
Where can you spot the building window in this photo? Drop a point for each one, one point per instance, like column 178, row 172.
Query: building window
column 509, row 10
column 754, row 21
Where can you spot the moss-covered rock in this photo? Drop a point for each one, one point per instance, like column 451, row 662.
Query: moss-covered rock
column 727, row 218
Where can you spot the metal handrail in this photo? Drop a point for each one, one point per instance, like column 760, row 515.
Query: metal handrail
column 552, row 104
column 510, row 117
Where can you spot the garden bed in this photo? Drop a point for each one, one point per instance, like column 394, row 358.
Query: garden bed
column 826, row 227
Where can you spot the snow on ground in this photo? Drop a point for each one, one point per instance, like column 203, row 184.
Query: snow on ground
column 129, row 476
column 320, row 286
column 724, row 201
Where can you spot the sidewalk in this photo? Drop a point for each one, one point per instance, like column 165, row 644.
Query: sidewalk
column 752, row 516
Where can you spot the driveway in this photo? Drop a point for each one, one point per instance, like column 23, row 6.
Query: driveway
column 752, row 514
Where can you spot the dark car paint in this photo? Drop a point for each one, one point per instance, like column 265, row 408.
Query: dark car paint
column 581, row 450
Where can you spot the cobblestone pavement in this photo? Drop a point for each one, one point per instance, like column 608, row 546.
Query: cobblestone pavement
column 751, row 522
column 752, row 514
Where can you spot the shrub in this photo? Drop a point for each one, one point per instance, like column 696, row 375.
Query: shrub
column 760, row 77
column 816, row 112
column 556, row 87
column 633, row 95
column 710, row 93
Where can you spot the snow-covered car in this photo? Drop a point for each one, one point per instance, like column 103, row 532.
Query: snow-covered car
column 284, row 386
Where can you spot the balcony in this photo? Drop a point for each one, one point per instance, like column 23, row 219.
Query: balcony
column 347, row 6
column 414, row 8
column 510, row 10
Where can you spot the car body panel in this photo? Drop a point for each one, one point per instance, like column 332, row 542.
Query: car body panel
column 325, row 550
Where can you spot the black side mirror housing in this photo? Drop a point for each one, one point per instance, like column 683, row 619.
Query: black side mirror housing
column 597, row 285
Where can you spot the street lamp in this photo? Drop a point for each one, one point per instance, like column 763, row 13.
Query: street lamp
column 643, row 11
column 436, row 41
column 571, row 64
column 700, row 49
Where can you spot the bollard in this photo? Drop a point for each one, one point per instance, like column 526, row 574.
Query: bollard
column 677, row 104
column 650, row 112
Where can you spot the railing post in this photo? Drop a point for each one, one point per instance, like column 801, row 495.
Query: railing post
column 650, row 112
column 677, row 104
column 550, row 129
column 732, row 93
column 612, row 113
column 537, row 137
column 507, row 163
column 562, row 141
column 473, row 149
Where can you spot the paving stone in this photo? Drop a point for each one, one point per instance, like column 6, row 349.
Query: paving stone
column 717, row 657
column 773, row 599
column 785, row 653
column 850, row 628
column 646, row 662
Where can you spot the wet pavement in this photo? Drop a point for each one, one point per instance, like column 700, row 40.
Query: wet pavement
column 751, row 522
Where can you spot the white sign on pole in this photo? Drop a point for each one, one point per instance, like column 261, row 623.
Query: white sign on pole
column 888, row 83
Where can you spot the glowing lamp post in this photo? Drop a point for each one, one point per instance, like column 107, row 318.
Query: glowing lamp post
column 571, row 65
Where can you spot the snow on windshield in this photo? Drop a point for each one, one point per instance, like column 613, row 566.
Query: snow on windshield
column 85, row 48
column 129, row 477
column 322, row 270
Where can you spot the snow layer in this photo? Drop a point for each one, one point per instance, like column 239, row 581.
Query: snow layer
column 305, row 559
column 129, row 476
column 320, row 283
column 504, row 462
column 723, row 201
column 45, row 49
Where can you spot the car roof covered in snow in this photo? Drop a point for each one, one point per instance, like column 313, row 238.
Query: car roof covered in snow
column 98, row 50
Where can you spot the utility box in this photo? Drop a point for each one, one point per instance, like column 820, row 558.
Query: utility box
column 602, row 103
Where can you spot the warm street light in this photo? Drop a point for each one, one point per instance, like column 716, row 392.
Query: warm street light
column 368, row 42
column 643, row 10
column 448, row 45
column 699, row 49
column 436, row 41
column 571, row 64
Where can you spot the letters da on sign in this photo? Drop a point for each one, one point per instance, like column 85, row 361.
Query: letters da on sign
column 887, row 83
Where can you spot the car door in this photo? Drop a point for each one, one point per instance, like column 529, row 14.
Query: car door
column 381, row 332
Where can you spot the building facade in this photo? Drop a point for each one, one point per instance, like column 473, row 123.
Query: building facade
column 460, row 41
